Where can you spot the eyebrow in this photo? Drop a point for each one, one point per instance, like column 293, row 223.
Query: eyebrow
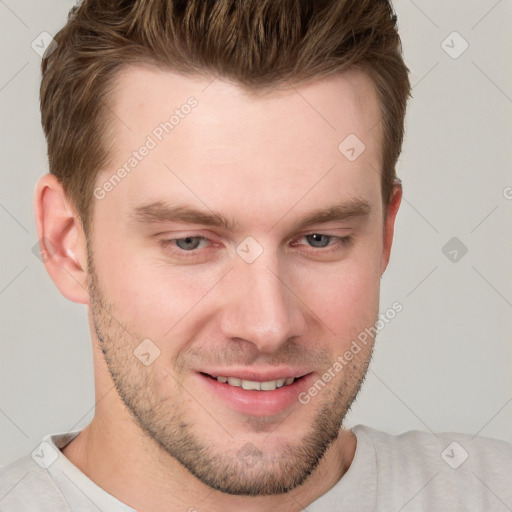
column 160, row 212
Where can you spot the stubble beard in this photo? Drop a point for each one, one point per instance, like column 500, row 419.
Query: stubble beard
column 248, row 469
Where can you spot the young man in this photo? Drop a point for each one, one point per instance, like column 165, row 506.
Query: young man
column 222, row 196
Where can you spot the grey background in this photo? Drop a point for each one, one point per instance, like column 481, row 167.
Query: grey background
column 442, row 364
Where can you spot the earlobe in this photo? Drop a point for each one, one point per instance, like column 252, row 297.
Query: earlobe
column 389, row 224
column 62, row 241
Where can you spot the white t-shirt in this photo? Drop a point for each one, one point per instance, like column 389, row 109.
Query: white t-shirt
column 409, row 472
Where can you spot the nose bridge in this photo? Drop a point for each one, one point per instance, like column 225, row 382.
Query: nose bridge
column 258, row 305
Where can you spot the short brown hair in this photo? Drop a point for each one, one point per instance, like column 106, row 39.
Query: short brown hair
column 258, row 44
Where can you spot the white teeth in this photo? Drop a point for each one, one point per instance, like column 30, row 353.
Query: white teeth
column 268, row 385
column 250, row 384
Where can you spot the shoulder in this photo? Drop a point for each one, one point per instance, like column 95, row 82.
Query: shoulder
column 457, row 468
column 454, row 448
column 25, row 487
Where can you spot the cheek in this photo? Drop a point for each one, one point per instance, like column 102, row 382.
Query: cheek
column 149, row 297
column 152, row 298
column 346, row 300
column 345, row 295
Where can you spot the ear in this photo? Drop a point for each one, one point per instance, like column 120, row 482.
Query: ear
column 62, row 242
column 389, row 224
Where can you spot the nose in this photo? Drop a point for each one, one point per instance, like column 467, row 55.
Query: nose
column 259, row 305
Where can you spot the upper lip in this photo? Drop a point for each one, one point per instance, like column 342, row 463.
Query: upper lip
column 263, row 375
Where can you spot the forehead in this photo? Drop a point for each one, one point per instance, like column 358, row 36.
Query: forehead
column 145, row 96
column 211, row 143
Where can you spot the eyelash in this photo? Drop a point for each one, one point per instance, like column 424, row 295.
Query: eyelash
column 343, row 242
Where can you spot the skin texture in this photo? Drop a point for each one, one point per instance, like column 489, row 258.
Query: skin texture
column 160, row 435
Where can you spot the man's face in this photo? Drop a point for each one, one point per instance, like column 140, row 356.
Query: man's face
column 260, row 301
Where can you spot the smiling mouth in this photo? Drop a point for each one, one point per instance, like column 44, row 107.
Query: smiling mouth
column 252, row 385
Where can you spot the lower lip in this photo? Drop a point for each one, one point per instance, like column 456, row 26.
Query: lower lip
column 258, row 403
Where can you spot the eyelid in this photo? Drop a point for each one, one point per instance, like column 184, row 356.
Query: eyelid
column 323, row 231
column 300, row 234
column 340, row 243
column 305, row 232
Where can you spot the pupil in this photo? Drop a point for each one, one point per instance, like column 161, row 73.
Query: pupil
column 317, row 237
column 187, row 241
